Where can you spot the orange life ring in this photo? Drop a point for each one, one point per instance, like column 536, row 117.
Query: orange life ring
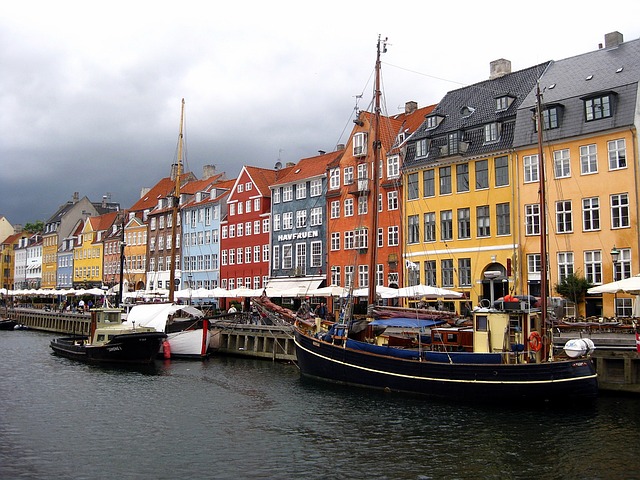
column 535, row 341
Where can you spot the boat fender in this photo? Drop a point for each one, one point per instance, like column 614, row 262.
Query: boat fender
column 535, row 341
column 166, row 349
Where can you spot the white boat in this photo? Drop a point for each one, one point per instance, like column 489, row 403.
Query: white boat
column 187, row 331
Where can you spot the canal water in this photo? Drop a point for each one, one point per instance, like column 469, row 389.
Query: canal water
column 238, row 418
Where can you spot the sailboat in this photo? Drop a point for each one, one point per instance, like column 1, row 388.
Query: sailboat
column 187, row 336
column 505, row 355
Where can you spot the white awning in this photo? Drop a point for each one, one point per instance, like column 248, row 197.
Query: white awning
column 292, row 287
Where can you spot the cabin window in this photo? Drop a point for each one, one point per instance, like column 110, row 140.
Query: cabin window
column 481, row 323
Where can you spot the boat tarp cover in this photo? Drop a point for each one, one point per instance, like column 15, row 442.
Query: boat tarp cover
column 155, row 315
column 380, row 350
column 463, row 357
column 406, row 322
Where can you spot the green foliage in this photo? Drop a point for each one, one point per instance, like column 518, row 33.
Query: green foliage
column 35, row 227
column 573, row 288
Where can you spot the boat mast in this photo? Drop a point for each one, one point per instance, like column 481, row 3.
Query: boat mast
column 381, row 48
column 543, row 213
column 175, row 205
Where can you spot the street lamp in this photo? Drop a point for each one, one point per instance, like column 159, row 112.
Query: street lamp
column 615, row 256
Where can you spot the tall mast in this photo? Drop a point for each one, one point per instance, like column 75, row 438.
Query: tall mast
column 175, row 206
column 382, row 47
column 543, row 213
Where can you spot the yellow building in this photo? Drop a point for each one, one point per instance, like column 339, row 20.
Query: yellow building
column 135, row 253
column 88, row 259
column 459, row 182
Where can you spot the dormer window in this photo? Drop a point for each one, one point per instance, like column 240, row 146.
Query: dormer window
column 467, row 111
column 550, row 117
column 598, row 107
column 503, row 102
column 422, row 148
column 359, row 144
column 491, row 132
column 452, row 143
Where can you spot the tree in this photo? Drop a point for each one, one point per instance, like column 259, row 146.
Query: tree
column 573, row 288
column 35, row 227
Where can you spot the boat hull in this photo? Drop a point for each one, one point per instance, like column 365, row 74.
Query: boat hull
column 129, row 348
column 189, row 343
column 547, row 381
column 8, row 324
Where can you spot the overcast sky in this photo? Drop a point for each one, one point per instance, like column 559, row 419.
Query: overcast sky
column 90, row 91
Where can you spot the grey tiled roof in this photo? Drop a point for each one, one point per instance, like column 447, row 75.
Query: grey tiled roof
column 481, row 97
column 565, row 84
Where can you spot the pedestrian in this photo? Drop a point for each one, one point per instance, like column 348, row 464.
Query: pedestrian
column 322, row 311
column 232, row 309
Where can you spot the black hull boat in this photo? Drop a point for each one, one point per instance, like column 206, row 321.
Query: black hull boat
column 109, row 342
column 442, row 374
column 135, row 348
column 7, row 324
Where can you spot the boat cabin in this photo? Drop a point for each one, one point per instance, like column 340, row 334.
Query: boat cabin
column 452, row 339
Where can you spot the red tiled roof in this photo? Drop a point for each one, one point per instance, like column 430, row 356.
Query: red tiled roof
column 310, row 167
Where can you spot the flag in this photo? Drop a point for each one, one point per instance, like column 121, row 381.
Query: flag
column 410, row 265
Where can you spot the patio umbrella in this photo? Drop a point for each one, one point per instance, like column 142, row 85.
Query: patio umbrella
column 628, row 285
column 419, row 291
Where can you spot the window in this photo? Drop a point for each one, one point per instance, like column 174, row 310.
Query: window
column 490, row 132
column 316, row 254
column 316, row 216
column 359, row 144
column 462, row 177
column 240, row 230
column 348, row 175
column 265, row 252
column 445, row 180
column 335, row 275
column 276, row 257
column 363, row 177
column 422, row 148
column 534, row 263
column 393, row 167
column 430, row 227
column 502, row 103
column 597, row 108
column 287, row 257
column 392, row 200
column 393, row 236
column 265, row 225
column 348, row 207
column 276, row 222
column 446, row 225
column 301, row 218
column 565, row 265
column 503, row 219
column 247, row 206
column 617, row 154
column 287, row 220
column 561, row 163
column 588, row 159
column 363, row 276
column 501, row 165
column 564, row 217
column 430, row 273
column 276, row 195
column 593, row 266
column 590, row 214
column 531, row 172
column 256, row 204
column 315, row 189
column 464, row 223
column 240, row 188
column 256, row 227
column 362, row 238
column 532, row 219
column 413, row 227
column 464, row 272
column 301, row 257
column 287, row 193
column 483, row 220
column 452, row 143
column 334, row 178
column 623, row 265
column 446, row 267
column 482, row 174
column 549, row 118
column 428, row 183
column 432, row 121
column 624, row 307
column 362, row 205
column 349, row 240
column 335, row 241
column 335, row 209
column 619, row 210
column 301, row 191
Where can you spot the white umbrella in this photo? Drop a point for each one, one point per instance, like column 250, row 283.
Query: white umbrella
column 627, row 285
column 419, row 291
column 330, row 291
column 381, row 291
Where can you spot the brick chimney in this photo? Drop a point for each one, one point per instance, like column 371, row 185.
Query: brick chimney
column 499, row 68
column 208, row 171
column 410, row 107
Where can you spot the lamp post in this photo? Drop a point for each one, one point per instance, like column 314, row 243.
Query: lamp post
column 615, row 256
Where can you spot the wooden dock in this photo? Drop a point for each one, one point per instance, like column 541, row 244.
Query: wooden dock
column 258, row 341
